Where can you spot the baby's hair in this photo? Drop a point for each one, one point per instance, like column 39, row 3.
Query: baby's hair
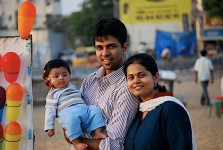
column 55, row 63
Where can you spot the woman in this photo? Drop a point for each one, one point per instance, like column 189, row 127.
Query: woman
column 162, row 122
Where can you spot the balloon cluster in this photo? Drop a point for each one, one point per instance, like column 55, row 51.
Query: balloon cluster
column 10, row 64
column 12, row 96
column 26, row 18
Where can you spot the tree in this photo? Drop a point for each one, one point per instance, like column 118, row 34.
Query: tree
column 213, row 8
column 78, row 27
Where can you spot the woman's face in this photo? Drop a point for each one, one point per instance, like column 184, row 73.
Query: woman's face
column 141, row 82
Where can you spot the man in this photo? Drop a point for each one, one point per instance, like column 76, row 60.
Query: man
column 204, row 73
column 166, row 54
column 107, row 87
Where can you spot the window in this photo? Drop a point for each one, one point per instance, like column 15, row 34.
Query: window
column 126, row 8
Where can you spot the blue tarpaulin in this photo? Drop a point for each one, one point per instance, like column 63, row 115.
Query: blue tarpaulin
column 179, row 43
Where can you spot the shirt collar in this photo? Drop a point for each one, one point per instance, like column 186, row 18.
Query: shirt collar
column 112, row 77
column 161, row 94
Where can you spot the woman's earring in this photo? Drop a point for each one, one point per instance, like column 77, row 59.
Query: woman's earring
column 155, row 86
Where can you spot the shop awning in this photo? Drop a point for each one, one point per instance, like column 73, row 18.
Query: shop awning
column 212, row 34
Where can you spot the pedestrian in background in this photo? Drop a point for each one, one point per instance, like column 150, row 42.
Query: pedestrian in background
column 166, row 54
column 222, row 85
column 204, row 74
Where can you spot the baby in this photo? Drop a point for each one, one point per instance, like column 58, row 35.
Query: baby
column 64, row 101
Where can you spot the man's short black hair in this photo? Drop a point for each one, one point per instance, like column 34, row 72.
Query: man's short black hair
column 203, row 52
column 110, row 26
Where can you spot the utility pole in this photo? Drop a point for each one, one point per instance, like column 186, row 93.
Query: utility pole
column 115, row 9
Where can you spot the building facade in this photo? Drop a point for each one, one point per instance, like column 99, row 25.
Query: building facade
column 46, row 12
column 46, row 43
column 144, row 17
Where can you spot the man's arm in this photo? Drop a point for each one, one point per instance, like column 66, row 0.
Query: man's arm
column 196, row 73
column 211, row 67
column 93, row 144
column 196, row 68
column 123, row 112
column 212, row 76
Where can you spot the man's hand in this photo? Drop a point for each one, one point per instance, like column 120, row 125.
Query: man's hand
column 196, row 76
column 212, row 76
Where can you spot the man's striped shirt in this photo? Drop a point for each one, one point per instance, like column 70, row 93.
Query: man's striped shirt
column 119, row 106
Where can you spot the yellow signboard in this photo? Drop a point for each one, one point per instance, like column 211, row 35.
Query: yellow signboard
column 154, row 11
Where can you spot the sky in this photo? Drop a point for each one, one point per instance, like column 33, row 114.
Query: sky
column 69, row 6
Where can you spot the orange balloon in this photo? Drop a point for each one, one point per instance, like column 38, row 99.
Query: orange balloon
column 11, row 65
column 26, row 18
column 14, row 92
column 13, row 128
column 13, row 133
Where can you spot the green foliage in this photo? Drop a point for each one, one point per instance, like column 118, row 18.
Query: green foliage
column 214, row 8
column 79, row 25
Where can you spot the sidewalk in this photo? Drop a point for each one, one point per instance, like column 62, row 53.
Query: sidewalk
column 208, row 131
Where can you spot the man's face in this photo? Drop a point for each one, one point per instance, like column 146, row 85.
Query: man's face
column 110, row 53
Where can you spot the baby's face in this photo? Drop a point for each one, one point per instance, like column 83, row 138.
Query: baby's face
column 59, row 77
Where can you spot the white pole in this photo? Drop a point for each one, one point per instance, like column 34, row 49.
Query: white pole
column 115, row 8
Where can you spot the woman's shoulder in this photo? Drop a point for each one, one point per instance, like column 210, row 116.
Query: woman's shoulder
column 173, row 107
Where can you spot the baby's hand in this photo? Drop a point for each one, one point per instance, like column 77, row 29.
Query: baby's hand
column 50, row 132
column 46, row 80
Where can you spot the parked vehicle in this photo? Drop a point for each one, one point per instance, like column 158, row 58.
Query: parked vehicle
column 66, row 55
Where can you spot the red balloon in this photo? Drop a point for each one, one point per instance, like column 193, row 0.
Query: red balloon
column 26, row 18
column 11, row 66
